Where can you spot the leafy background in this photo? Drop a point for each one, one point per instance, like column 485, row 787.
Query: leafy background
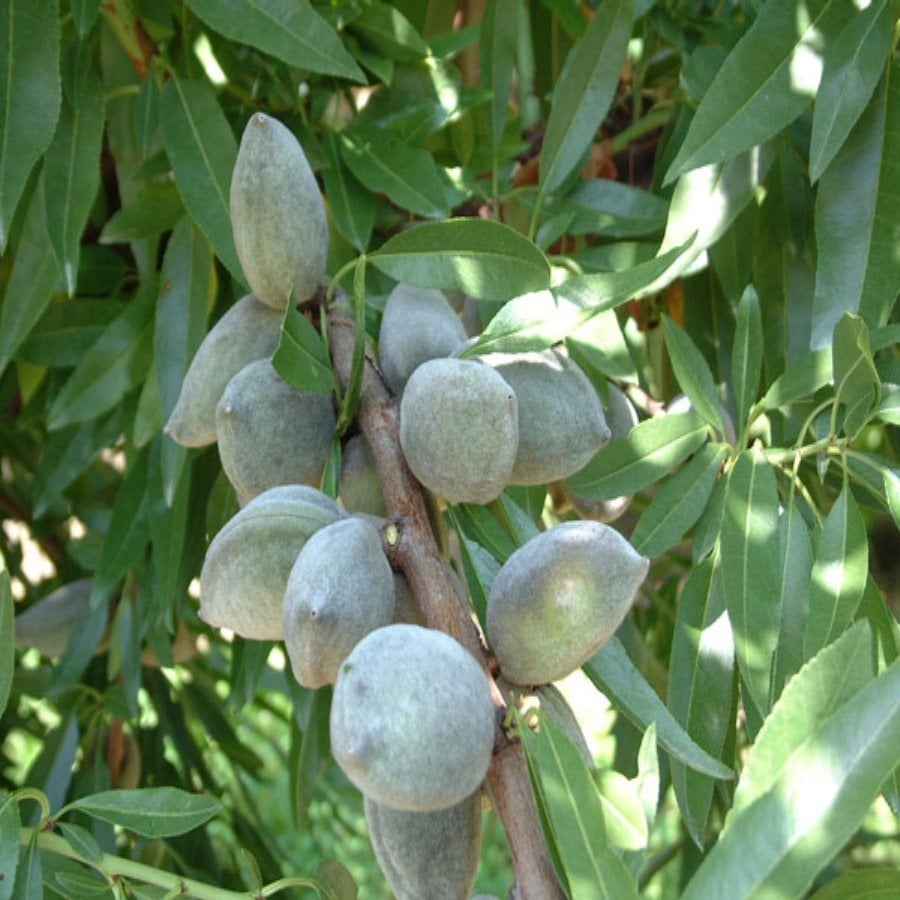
column 699, row 198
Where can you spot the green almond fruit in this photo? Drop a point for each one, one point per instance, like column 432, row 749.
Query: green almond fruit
column 359, row 487
column 248, row 562
column 559, row 598
column 248, row 331
column 277, row 215
column 561, row 421
column 459, row 429
column 270, row 433
column 418, row 324
column 431, row 855
column 340, row 588
column 412, row 719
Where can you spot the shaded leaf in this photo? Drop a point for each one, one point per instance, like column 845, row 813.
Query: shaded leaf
column 30, row 96
column 874, row 883
column 481, row 258
column 335, row 878
column 85, row 13
column 611, row 208
column 301, row 358
column 202, row 150
column 651, row 449
column 746, row 355
column 692, row 372
column 616, row 675
column 29, row 877
column 351, row 205
column 66, row 331
column 389, row 31
column 750, row 564
column 290, row 30
column 584, row 91
column 156, row 208
column 81, row 841
column 838, row 575
column 10, row 825
column 7, row 636
column 802, row 378
column 152, row 812
column 857, row 386
column 497, row 55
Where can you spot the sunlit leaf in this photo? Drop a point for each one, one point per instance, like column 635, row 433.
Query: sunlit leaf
column 301, row 358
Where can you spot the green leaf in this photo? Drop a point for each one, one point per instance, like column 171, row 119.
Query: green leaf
column 802, row 378
column 151, row 812
column 408, row 175
column 480, row 569
column 616, row 675
column 481, row 258
column 337, row 880
column 817, row 798
column 575, row 813
column 30, row 96
column 301, row 358
column 290, row 30
column 72, row 174
column 679, row 502
column 746, row 355
column 838, row 575
column 889, row 408
column 351, row 205
column 202, row 150
column 611, row 208
column 856, row 382
column 701, row 686
column 66, row 331
column 880, row 477
column 389, row 32
column 484, row 530
column 857, row 215
column 497, row 47
column 767, row 80
column 7, row 636
column 692, row 372
column 29, row 878
column 156, row 208
column 624, row 818
column 81, row 841
column 853, row 67
column 750, row 564
column 652, row 449
column 539, row 319
column 113, row 366
column 10, row 826
column 85, row 13
column 585, row 89
column 34, row 277
column 311, row 752
column 862, row 884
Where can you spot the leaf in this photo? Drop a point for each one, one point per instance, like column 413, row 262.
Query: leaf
column 856, row 382
column 497, row 55
column 389, row 31
column 575, row 813
column 29, row 878
column 479, row 524
column 746, row 355
column 862, row 884
column 611, row 208
column 34, row 277
column 480, row 568
column 72, row 175
column 679, row 502
column 652, row 449
column 156, row 208
column 202, row 150
column 151, row 812
column 351, row 205
column 777, row 844
column 616, row 675
column 311, row 752
column 408, row 175
column 30, row 96
column 115, row 364
column 81, row 841
column 692, row 372
column 802, row 378
column 10, row 826
column 301, row 357
column 701, row 679
column 290, row 30
column 539, row 319
column 766, row 81
column 7, row 636
column 481, row 258
column 750, row 564
column 337, row 880
column 856, row 220
column 85, row 13
column 624, row 818
column 585, row 89
column 838, row 575
column 888, row 410
column 66, row 331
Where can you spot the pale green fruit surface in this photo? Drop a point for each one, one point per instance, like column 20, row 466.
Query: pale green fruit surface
column 360, row 488
column 47, row 624
column 561, row 421
column 277, row 214
column 459, row 429
column 559, row 598
column 248, row 562
column 418, row 324
column 249, row 330
column 431, row 855
column 271, row 434
column 340, row 588
column 412, row 719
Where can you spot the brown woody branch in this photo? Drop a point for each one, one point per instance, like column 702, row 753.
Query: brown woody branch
column 416, row 554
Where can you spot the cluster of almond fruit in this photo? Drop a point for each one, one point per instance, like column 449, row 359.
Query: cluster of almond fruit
column 412, row 720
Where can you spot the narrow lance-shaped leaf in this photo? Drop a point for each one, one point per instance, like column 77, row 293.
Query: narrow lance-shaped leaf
column 768, row 79
column 875, row 883
column 802, row 378
column 30, row 96
column 7, row 636
column 857, row 385
column 746, row 355
column 29, row 878
column 352, row 205
column 290, row 30
column 853, row 66
column 202, row 150
column 838, row 575
column 585, row 90
column 750, row 557
column 701, row 686
column 497, row 48
column 72, row 174
column 301, row 358
column 10, row 826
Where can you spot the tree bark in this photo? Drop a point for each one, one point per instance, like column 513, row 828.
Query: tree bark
column 413, row 550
